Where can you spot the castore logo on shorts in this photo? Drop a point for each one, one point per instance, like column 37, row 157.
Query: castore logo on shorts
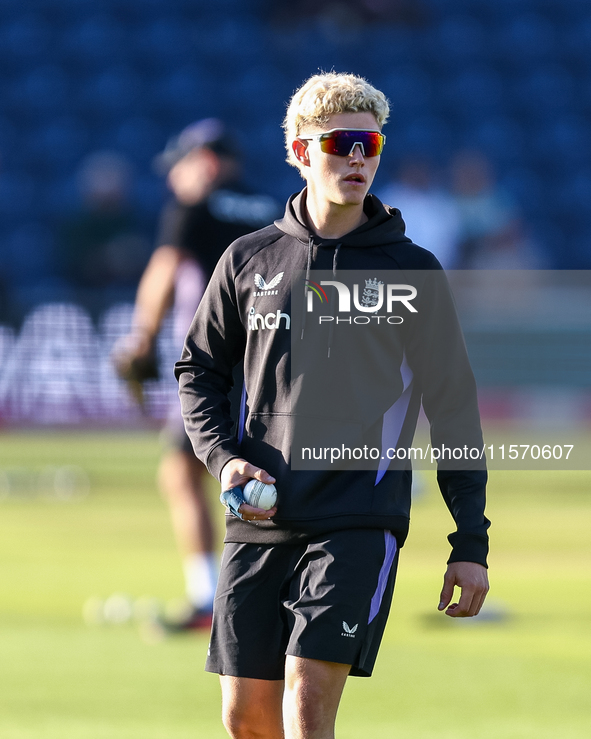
column 349, row 630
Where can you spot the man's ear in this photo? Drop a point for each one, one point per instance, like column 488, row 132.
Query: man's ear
column 300, row 149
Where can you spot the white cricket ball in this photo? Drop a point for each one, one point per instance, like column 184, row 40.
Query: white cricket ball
column 260, row 495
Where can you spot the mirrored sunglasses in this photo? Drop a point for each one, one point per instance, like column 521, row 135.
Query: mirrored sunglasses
column 342, row 141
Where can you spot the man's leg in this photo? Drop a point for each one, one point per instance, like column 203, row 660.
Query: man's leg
column 251, row 709
column 313, row 691
column 182, row 477
column 182, row 480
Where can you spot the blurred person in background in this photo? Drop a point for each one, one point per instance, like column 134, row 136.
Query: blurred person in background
column 431, row 215
column 102, row 250
column 208, row 210
column 491, row 231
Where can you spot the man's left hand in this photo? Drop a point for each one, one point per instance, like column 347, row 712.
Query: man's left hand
column 472, row 579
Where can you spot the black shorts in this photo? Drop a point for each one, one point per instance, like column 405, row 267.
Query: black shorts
column 326, row 598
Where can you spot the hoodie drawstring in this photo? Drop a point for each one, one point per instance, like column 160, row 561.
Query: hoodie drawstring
column 308, row 267
column 335, row 260
column 334, row 274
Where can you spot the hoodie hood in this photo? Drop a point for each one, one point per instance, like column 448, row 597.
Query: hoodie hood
column 384, row 224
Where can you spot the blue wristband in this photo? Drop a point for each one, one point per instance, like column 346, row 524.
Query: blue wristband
column 233, row 499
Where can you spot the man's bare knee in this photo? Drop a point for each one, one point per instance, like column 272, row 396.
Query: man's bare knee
column 181, row 477
column 251, row 709
column 240, row 725
column 250, row 723
column 313, row 690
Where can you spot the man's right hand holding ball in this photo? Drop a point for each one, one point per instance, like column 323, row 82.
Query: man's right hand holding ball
column 235, row 474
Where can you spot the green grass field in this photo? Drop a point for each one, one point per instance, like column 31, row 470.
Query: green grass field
column 525, row 676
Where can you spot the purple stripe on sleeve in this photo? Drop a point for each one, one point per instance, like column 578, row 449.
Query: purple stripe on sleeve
column 376, row 601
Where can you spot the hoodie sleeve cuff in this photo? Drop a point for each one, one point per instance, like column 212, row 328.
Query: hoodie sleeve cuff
column 220, row 455
column 468, row 548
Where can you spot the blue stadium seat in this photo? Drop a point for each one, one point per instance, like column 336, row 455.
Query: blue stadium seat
column 236, row 6
column 60, row 142
column 490, row 12
column 561, row 10
column 583, row 96
column 474, row 91
column 577, row 255
column 125, row 73
column 140, row 138
column 77, row 9
column 186, row 93
column 9, row 11
column 95, row 41
column 527, row 188
column 508, row 10
column 9, row 140
column 258, row 88
column 571, row 138
column 138, row 12
column 459, row 39
column 574, row 194
column 409, row 88
column 148, row 194
column 526, row 40
column 24, row 40
column 44, row 90
column 499, row 137
column 61, row 197
column 576, row 42
column 571, row 210
column 388, row 47
column 225, row 44
column 546, row 89
column 425, row 136
column 30, row 253
column 17, row 196
column 438, row 8
column 163, row 41
column 113, row 92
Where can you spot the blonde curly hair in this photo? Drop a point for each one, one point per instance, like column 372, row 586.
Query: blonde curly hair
column 326, row 94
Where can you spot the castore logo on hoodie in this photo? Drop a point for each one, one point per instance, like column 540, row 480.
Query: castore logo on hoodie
column 258, row 321
column 266, row 288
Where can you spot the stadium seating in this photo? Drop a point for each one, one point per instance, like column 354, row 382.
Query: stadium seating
column 509, row 77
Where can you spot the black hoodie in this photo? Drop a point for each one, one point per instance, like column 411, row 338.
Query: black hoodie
column 247, row 313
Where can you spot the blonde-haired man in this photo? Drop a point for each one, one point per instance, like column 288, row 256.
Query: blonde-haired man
column 305, row 587
column 324, row 95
